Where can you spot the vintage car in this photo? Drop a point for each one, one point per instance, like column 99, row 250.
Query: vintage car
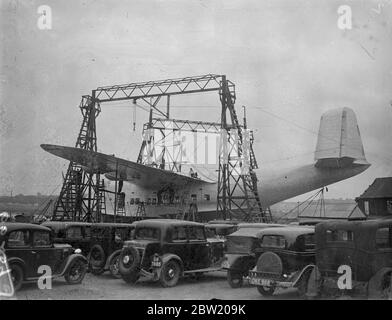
column 365, row 247
column 77, row 234
column 107, row 240
column 164, row 250
column 285, row 259
column 29, row 246
column 240, row 256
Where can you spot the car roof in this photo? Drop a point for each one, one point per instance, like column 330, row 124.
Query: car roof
column 290, row 232
column 166, row 222
column 254, row 229
column 220, row 225
column 11, row 226
column 64, row 224
column 260, row 225
column 246, row 232
column 227, row 222
column 353, row 225
column 112, row 224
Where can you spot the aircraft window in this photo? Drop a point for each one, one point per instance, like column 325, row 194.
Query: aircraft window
column 273, row 241
column 207, row 197
column 154, row 200
column 18, row 239
column 340, row 235
column 384, row 238
column 41, row 239
column 179, row 234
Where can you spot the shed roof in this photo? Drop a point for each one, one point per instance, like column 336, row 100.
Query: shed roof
column 380, row 188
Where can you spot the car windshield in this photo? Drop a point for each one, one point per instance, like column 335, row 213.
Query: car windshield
column 147, row 233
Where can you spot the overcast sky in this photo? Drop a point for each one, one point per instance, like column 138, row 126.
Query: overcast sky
column 288, row 58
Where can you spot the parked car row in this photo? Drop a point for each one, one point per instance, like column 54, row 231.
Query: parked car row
column 268, row 256
column 334, row 258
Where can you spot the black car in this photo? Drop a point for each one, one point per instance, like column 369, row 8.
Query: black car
column 241, row 251
column 77, row 234
column 363, row 246
column 29, row 246
column 107, row 240
column 165, row 249
column 286, row 258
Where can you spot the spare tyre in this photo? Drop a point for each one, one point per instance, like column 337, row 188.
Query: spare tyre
column 97, row 257
column 129, row 261
column 270, row 262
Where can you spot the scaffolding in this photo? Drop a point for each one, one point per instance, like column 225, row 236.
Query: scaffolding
column 237, row 182
column 81, row 194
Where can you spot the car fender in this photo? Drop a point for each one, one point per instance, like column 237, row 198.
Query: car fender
column 110, row 258
column 70, row 259
column 307, row 269
column 374, row 290
column 169, row 256
column 16, row 260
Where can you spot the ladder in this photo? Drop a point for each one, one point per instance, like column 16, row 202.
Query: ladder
column 237, row 187
column 141, row 210
column 74, row 203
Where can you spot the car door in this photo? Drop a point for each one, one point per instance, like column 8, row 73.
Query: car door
column 178, row 245
column 45, row 254
column 18, row 245
column 198, row 249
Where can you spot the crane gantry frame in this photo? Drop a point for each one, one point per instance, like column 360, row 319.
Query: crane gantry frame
column 82, row 192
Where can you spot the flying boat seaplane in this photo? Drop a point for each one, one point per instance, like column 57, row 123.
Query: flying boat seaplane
column 339, row 155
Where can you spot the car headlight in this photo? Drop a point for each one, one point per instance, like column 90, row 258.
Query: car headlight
column 78, row 251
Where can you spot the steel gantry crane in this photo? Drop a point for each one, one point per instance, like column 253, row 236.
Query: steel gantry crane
column 82, row 192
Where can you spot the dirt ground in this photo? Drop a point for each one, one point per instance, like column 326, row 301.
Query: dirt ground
column 104, row 287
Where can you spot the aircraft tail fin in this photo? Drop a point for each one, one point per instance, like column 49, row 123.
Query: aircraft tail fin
column 339, row 141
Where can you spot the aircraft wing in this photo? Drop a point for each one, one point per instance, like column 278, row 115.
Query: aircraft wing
column 139, row 174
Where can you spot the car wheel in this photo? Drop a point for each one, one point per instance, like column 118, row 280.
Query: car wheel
column 235, row 278
column 266, row 291
column 76, row 272
column 129, row 262
column 114, row 266
column 97, row 257
column 17, row 276
column 170, row 274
